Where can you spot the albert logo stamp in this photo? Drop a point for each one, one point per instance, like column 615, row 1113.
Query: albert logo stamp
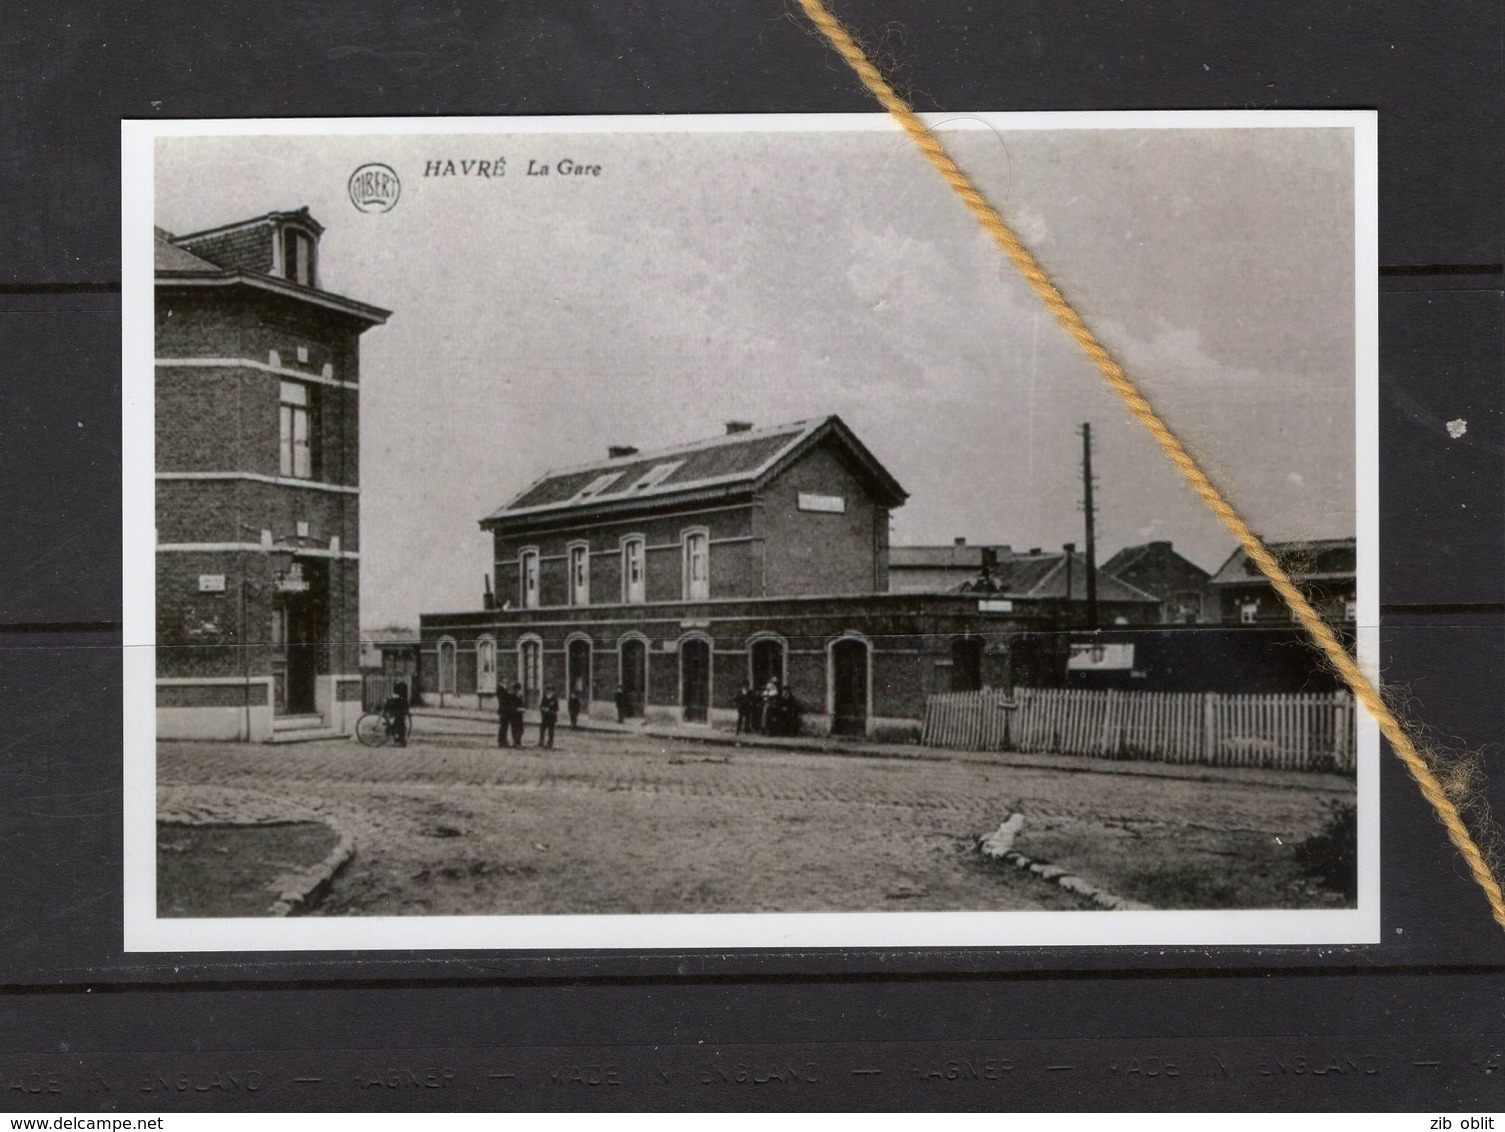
column 375, row 187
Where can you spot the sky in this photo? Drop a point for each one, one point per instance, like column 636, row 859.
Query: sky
column 771, row 277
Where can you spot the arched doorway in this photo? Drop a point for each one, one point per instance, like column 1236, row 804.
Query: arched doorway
column 766, row 661
column 633, row 660
column 578, row 664
column 849, row 686
column 966, row 664
column 695, row 679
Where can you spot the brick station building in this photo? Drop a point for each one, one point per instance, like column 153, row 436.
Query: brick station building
column 257, row 484
column 679, row 575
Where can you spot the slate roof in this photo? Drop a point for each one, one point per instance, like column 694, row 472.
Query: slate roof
column 1311, row 560
column 724, row 464
column 176, row 266
column 169, row 257
column 1044, row 576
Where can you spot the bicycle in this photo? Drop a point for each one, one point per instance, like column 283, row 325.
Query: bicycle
column 379, row 728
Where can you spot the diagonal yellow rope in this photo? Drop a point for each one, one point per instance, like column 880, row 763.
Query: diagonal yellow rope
column 1144, row 412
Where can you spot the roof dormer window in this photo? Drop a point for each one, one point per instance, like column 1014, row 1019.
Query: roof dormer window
column 656, row 475
column 598, row 485
column 298, row 256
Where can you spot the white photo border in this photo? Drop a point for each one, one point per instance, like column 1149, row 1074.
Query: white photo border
column 144, row 931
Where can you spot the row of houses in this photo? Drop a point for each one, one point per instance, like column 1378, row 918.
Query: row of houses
column 661, row 581
column 1238, row 593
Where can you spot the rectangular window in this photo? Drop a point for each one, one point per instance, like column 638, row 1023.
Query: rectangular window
column 697, row 566
column 297, row 257
column 634, row 590
column 1249, row 612
column 580, row 575
column 528, row 561
column 296, row 456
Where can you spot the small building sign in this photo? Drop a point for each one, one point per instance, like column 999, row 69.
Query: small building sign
column 995, row 605
column 211, row 583
column 293, row 581
column 1091, row 656
column 830, row 504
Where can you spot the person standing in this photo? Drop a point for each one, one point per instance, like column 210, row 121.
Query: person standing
column 548, row 716
column 745, row 700
column 515, row 719
column 788, row 712
column 768, row 706
column 621, row 701
column 503, row 716
column 573, row 703
column 394, row 711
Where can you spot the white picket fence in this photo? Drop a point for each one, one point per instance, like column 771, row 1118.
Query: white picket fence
column 1304, row 731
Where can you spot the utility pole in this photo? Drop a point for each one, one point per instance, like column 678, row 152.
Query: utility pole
column 1089, row 513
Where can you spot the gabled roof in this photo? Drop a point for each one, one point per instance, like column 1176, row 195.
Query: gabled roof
column 1043, row 577
column 1131, row 556
column 1039, row 576
column 728, row 464
column 1312, row 560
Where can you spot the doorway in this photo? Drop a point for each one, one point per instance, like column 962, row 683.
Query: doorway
column 966, row 664
column 299, row 627
column 695, row 679
column 578, row 674
column 849, row 687
column 767, row 663
column 634, row 675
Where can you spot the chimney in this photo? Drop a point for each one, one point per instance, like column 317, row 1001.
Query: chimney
column 958, row 542
column 734, row 427
column 617, row 451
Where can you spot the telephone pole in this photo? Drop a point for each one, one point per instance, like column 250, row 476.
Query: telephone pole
column 1087, row 508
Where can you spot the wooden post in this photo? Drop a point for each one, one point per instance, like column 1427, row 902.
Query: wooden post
column 1209, row 727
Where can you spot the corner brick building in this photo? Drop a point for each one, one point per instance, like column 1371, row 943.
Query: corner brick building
column 258, row 486
column 681, row 574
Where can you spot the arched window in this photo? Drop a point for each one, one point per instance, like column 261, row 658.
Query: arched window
column 697, row 565
column 530, row 669
column 634, row 570
column 486, row 666
column 527, row 562
column 446, row 665
column 580, row 573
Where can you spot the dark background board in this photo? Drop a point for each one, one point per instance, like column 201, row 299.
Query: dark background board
column 1413, row 1022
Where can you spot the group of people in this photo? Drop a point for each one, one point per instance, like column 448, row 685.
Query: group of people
column 509, row 709
column 773, row 710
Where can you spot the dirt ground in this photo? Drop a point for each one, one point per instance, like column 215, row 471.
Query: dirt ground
column 613, row 823
column 223, row 870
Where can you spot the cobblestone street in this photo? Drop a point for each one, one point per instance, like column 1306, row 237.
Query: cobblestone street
column 624, row 823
